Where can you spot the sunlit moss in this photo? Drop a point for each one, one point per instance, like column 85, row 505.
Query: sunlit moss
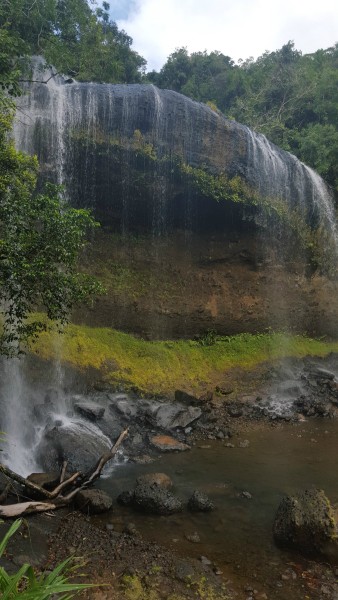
column 163, row 366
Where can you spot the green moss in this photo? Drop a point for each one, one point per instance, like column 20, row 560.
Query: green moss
column 163, row 366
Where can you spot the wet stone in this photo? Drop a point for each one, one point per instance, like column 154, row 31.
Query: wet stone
column 93, row 501
column 89, row 410
column 199, row 502
column 166, row 443
column 154, row 499
column 160, row 479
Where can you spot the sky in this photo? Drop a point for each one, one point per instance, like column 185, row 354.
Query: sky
column 237, row 28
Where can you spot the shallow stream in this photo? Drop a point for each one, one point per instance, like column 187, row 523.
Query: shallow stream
column 237, row 536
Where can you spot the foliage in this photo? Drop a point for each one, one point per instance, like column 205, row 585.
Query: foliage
column 289, row 97
column 76, row 37
column 26, row 585
column 40, row 238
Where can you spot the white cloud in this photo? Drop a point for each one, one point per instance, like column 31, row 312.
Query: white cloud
column 238, row 28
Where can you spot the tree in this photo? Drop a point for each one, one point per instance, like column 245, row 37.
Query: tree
column 40, row 234
column 40, row 238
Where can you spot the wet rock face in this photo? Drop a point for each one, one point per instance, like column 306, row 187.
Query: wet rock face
column 306, row 522
column 78, row 444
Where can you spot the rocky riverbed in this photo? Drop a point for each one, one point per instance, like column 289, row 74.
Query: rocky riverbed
column 242, row 451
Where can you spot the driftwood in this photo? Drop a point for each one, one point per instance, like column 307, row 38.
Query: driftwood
column 55, row 499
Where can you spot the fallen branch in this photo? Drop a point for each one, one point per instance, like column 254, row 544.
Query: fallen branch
column 29, row 484
column 96, row 471
column 4, row 493
column 54, row 499
column 26, row 508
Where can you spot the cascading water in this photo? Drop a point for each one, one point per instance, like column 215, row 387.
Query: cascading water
column 87, row 135
column 108, row 145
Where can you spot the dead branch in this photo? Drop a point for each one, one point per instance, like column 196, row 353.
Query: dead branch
column 56, row 492
column 63, row 471
column 55, row 499
column 26, row 508
column 4, row 493
column 32, row 486
column 96, row 471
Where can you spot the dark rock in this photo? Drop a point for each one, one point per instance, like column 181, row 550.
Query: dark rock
column 130, row 529
column 156, row 500
column 160, row 479
column 125, row 498
column 306, row 523
column 78, row 443
column 126, row 407
column 48, row 481
column 184, row 571
column 93, row 502
column 89, row 410
column 170, row 416
column 224, row 391
column 235, row 411
column 199, row 502
column 185, row 398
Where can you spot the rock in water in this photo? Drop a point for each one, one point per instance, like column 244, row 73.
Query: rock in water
column 306, row 522
column 156, row 500
column 166, row 443
column 160, row 479
column 199, row 502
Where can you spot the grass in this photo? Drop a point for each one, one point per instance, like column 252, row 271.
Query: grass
column 163, row 366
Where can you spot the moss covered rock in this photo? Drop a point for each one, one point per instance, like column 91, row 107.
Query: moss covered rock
column 306, row 522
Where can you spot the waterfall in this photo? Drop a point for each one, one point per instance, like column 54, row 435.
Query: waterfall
column 84, row 137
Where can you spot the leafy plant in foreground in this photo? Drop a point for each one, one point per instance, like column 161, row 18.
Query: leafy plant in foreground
column 26, row 585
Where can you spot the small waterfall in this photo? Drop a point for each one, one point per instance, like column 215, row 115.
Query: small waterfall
column 19, row 440
column 38, row 420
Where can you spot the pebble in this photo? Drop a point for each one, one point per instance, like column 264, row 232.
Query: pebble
column 229, row 445
column 244, row 444
column 193, row 537
column 205, row 561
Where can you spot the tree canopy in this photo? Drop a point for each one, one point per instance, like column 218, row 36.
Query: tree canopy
column 40, row 235
column 78, row 38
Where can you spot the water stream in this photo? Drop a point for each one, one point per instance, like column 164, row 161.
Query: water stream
column 237, row 536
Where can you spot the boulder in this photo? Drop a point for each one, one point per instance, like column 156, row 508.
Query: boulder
column 93, row 502
column 181, row 396
column 160, row 479
column 166, row 443
column 125, row 498
column 199, row 502
column 154, row 499
column 306, row 522
column 89, row 410
column 170, row 416
column 81, row 444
